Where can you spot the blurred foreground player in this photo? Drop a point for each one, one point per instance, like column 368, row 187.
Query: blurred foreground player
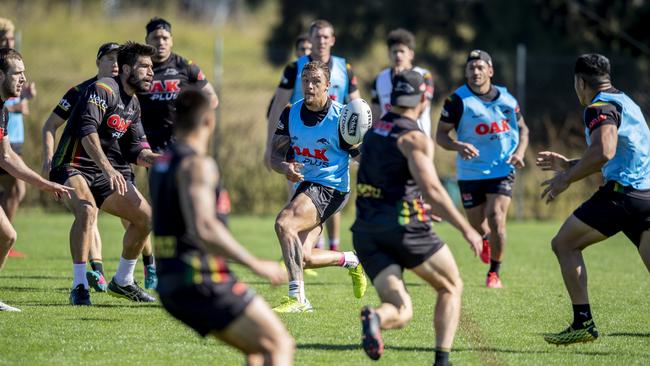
column 195, row 284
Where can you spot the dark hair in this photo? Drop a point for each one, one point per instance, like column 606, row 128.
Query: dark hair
column 320, row 23
column 301, row 38
column 315, row 66
column 191, row 105
column 401, row 36
column 129, row 52
column 158, row 23
column 7, row 54
column 594, row 69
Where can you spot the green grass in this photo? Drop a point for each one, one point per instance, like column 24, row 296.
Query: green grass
column 498, row 327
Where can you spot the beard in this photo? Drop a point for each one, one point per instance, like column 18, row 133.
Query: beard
column 9, row 89
column 139, row 85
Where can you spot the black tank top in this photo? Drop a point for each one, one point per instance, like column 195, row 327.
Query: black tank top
column 387, row 196
column 177, row 252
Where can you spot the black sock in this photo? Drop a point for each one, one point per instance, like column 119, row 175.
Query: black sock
column 581, row 314
column 97, row 266
column 147, row 260
column 442, row 358
column 494, row 266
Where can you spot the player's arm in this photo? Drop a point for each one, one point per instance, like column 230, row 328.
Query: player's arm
column 197, row 178
column 48, row 135
column 93, row 147
column 281, row 98
column 21, row 107
column 450, row 116
column 135, row 147
column 517, row 158
column 197, row 78
column 14, row 164
column 418, row 150
column 209, row 90
column 281, row 148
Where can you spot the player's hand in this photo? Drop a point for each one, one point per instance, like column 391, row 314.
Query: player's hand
column 29, row 90
column 517, row 161
column 548, row 160
column 116, row 181
column 556, row 185
column 57, row 190
column 475, row 241
column 292, row 172
column 271, row 270
column 429, row 210
column 467, row 151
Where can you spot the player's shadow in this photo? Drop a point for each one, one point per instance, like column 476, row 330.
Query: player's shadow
column 628, row 334
column 329, row 347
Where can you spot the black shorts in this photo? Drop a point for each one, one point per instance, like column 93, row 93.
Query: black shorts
column 615, row 208
column 97, row 182
column 327, row 200
column 405, row 247
column 207, row 307
column 473, row 192
column 18, row 149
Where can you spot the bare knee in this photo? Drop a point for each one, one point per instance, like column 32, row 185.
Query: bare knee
column 86, row 213
column 497, row 222
column 405, row 314
column 558, row 246
column 279, row 342
column 453, row 287
column 8, row 238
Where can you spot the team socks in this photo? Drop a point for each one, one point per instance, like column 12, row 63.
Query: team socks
column 148, row 260
column 581, row 314
column 334, row 244
column 97, row 265
column 297, row 290
column 124, row 274
column 79, row 275
column 348, row 260
column 495, row 266
column 442, row 357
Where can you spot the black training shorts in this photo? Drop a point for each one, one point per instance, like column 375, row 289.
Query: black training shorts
column 207, row 307
column 327, row 200
column 473, row 192
column 97, row 182
column 615, row 208
column 404, row 246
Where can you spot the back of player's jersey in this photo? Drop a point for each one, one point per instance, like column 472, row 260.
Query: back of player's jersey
column 387, row 195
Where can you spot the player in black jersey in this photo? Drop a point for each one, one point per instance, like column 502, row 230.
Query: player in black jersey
column 392, row 230
column 106, row 62
column 196, row 285
column 101, row 139
column 12, row 79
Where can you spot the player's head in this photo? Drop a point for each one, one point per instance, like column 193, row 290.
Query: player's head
column 136, row 67
column 7, row 33
column 315, row 80
column 107, row 60
column 302, row 47
column 591, row 73
column 401, row 48
column 409, row 92
column 478, row 69
column 321, row 34
column 159, row 35
column 12, row 73
column 193, row 112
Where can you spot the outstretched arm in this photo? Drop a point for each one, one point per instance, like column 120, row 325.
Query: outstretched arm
column 48, row 134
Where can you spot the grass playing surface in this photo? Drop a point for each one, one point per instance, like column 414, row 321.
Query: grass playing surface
column 498, row 327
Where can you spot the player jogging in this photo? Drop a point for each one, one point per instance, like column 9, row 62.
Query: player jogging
column 617, row 137
column 196, row 285
column 320, row 167
column 491, row 140
column 12, row 79
column 392, row 230
column 102, row 137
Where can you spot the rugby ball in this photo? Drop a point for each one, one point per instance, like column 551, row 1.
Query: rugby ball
column 355, row 121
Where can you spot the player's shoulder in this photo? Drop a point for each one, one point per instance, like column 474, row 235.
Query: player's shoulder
column 108, row 85
column 602, row 106
column 424, row 72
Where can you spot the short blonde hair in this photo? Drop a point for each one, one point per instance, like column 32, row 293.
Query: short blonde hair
column 6, row 26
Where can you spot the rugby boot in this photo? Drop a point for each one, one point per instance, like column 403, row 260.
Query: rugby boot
column 15, row 254
column 150, row 277
column 569, row 336
column 5, row 307
column 291, row 304
column 371, row 333
column 97, row 281
column 359, row 281
column 485, row 252
column 80, row 296
column 131, row 292
column 493, row 280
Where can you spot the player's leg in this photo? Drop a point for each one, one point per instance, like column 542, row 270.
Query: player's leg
column 136, row 210
column 259, row 333
column 644, row 249
column 13, row 193
column 496, row 211
column 7, row 240
column 474, row 202
column 333, row 225
column 96, row 277
column 150, row 277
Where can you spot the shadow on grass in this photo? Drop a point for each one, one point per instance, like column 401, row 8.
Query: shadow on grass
column 34, row 289
column 65, row 304
column 627, row 334
column 108, row 320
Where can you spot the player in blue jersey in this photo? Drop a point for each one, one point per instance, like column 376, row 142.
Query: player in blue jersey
column 617, row 137
column 491, row 140
column 343, row 86
column 309, row 150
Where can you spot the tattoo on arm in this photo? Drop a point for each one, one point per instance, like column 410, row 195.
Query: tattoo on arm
column 279, row 147
column 147, row 158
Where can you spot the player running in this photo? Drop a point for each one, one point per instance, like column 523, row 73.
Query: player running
column 102, row 137
column 343, row 86
column 12, row 79
column 392, row 230
column 309, row 128
column 617, row 137
column 196, row 285
column 401, row 52
column 491, row 140
column 106, row 62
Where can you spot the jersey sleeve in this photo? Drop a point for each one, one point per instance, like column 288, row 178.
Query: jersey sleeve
column 66, row 104
column 600, row 114
column 195, row 75
column 283, row 123
column 428, row 81
column 96, row 101
column 373, row 92
column 452, row 110
column 134, row 141
column 289, row 76
column 4, row 117
column 352, row 79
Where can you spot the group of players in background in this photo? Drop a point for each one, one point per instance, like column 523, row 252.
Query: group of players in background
column 151, row 107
